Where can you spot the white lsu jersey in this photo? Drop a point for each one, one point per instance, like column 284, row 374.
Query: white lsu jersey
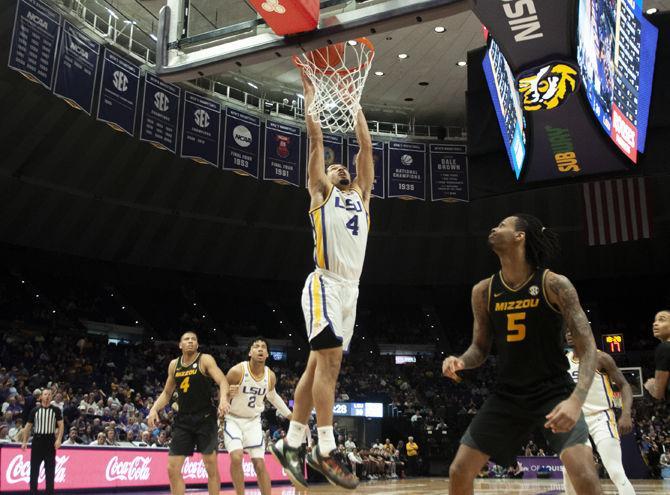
column 340, row 227
column 250, row 400
column 601, row 396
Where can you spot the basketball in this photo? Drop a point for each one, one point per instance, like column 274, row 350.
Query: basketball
column 328, row 56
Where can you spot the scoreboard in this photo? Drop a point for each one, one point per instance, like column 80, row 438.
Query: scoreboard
column 613, row 344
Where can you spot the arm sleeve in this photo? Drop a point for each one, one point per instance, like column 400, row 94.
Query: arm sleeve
column 274, row 399
column 31, row 416
column 662, row 357
column 59, row 413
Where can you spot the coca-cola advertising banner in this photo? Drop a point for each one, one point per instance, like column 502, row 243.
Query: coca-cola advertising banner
column 100, row 467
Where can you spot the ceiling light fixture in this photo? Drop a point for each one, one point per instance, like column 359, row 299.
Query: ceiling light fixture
column 440, row 29
column 252, row 85
column 153, row 37
column 403, row 56
column 424, row 83
column 461, row 63
column 379, row 73
column 353, row 42
column 652, row 10
column 409, row 99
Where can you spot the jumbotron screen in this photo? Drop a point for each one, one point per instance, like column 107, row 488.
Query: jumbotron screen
column 616, row 52
column 507, row 104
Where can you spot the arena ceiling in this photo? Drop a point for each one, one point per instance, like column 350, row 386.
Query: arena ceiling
column 428, row 87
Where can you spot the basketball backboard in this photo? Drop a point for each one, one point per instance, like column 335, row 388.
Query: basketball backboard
column 191, row 45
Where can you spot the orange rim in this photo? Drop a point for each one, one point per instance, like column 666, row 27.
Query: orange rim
column 299, row 62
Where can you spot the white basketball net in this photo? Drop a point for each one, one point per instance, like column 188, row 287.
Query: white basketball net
column 338, row 84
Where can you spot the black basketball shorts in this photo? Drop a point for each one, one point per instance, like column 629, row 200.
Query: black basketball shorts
column 195, row 432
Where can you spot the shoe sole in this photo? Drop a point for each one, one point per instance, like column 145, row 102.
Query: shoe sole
column 318, row 469
column 281, row 459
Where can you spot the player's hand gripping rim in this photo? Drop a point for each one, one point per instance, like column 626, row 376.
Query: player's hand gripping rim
column 450, row 366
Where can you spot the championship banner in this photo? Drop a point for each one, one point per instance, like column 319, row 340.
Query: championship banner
column 200, row 126
column 160, row 113
column 378, row 189
column 119, row 91
column 77, row 68
column 34, row 41
column 242, row 144
column 282, row 153
column 91, row 469
column 448, row 172
column 407, row 170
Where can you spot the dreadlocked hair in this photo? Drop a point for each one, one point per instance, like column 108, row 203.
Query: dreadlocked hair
column 541, row 243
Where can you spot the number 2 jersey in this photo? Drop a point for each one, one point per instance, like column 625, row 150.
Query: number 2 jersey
column 600, row 396
column 529, row 337
column 194, row 389
column 340, row 227
column 250, row 400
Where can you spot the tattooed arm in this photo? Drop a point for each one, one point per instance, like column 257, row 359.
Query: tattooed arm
column 482, row 336
column 562, row 294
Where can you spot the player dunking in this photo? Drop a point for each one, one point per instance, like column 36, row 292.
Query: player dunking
column 522, row 309
column 253, row 382
column 195, row 426
column 340, row 222
column 599, row 415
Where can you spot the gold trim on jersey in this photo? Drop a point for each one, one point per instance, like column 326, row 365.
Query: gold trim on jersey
column 502, row 279
column 544, row 293
column 317, row 225
column 608, row 388
column 325, row 200
column 257, row 380
column 180, row 363
column 488, row 305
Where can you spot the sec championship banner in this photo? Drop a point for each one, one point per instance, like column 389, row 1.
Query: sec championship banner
column 76, row 69
column 407, row 170
column 201, row 123
column 160, row 113
column 448, row 172
column 378, row 188
column 242, row 144
column 282, row 153
column 119, row 90
column 34, row 41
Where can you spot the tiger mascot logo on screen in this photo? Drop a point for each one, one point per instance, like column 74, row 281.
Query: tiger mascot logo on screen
column 547, row 87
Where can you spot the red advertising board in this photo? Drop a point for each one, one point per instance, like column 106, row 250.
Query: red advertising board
column 81, row 468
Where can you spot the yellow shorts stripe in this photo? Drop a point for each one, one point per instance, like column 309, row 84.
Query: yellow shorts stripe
column 613, row 426
column 317, row 311
column 317, row 221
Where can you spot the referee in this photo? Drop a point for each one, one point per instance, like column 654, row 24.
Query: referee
column 48, row 423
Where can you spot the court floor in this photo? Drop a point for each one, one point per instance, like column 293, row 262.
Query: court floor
column 439, row 486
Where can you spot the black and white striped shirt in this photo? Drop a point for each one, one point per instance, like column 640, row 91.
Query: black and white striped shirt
column 44, row 419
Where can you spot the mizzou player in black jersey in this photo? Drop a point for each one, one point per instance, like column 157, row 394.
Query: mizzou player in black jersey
column 523, row 309
column 195, row 426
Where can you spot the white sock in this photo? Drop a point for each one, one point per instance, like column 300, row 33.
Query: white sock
column 326, row 440
column 295, row 434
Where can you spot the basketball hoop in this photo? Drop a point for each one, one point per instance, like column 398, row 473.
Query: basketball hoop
column 338, row 73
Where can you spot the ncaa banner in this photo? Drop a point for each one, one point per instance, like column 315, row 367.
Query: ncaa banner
column 119, row 91
column 448, row 172
column 242, row 144
column 200, row 129
column 378, row 189
column 34, row 41
column 407, row 170
column 77, row 68
column 160, row 113
column 282, row 153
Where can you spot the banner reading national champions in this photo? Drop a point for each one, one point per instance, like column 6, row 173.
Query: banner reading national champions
column 407, row 170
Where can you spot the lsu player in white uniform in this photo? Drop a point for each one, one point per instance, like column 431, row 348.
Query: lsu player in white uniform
column 340, row 224
column 599, row 415
column 251, row 383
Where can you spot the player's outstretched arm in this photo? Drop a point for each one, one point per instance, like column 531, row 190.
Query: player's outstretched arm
column 211, row 369
column 562, row 294
column 365, row 166
column 164, row 398
column 317, row 182
column 275, row 399
column 482, row 335
column 605, row 362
